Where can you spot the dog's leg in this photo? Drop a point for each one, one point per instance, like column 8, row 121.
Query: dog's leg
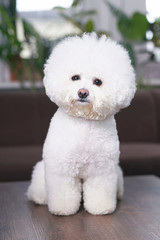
column 100, row 194
column 63, row 194
column 36, row 191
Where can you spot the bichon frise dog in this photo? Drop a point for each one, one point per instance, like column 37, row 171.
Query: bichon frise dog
column 90, row 79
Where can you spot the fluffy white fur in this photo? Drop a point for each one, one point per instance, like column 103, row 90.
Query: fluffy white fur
column 81, row 150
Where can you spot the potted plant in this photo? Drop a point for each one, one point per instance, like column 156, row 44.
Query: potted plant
column 12, row 47
column 82, row 20
column 132, row 28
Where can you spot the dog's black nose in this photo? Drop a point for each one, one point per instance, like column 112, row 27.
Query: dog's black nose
column 83, row 93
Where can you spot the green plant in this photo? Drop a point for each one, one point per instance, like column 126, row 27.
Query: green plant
column 132, row 28
column 82, row 20
column 11, row 47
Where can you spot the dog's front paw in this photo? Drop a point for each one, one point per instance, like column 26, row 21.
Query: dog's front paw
column 100, row 195
column 64, row 205
column 100, row 206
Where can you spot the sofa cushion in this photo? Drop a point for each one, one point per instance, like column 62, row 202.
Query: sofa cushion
column 140, row 158
column 135, row 159
column 17, row 117
column 45, row 113
column 156, row 95
column 17, row 162
column 24, row 117
column 138, row 122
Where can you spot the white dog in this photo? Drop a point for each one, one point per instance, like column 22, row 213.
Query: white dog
column 90, row 79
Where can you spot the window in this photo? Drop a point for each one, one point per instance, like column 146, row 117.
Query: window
column 44, row 18
column 153, row 10
column 36, row 5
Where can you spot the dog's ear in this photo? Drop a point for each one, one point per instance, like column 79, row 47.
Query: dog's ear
column 123, row 79
column 46, row 78
column 126, row 90
column 47, row 82
column 51, row 78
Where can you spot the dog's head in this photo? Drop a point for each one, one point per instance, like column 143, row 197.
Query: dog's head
column 89, row 77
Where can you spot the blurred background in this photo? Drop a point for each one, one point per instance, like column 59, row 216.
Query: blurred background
column 29, row 29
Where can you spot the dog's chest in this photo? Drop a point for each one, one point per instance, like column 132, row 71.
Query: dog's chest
column 94, row 150
column 87, row 141
column 77, row 146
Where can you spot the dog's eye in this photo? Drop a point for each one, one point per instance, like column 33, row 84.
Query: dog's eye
column 97, row 82
column 76, row 77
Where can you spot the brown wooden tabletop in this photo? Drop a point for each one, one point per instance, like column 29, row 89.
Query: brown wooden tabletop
column 137, row 217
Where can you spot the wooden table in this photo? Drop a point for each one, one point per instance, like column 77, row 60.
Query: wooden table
column 137, row 217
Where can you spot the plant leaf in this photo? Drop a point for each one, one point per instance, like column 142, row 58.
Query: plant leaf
column 136, row 28
column 30, row 32
column 73, row 21
column 89, row 27
column 130, row 51
column 123, row 22
column 139, row 26
column 76, row 2
column 132, row 28
column 7, row 20
column 102, row 32
column 84, row 13
column 119, row 14
column 11, row 38
column 59, row 8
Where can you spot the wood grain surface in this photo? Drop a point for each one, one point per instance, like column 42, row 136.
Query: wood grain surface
column 137, row 217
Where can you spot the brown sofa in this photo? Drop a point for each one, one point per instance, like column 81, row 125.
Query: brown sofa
column 24, row 122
